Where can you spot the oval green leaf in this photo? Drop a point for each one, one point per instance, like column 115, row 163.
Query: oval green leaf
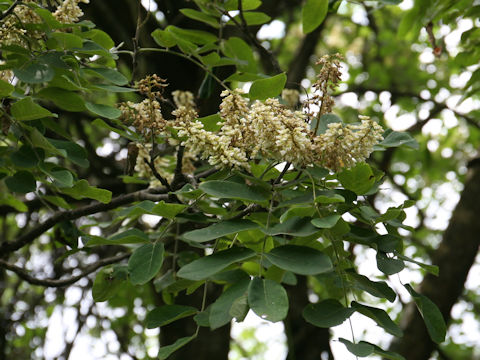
column 359, row 179
column 380, row 317
column 431, row 315
column 145, row 263
column 107, row 282
column 26, row 109
column 200, row 16
column 220, row 310
column 361, row 349
column 300, row 259
column 233, row 190
column 82, row 190
column 268, row 299
column 35, row 73
column 378, row 289
column 163, row 38
column 22, row 182
column 167, row 314
column 5, row 88
column 295, row 226
column 166, row 351
column 111, row 75
column 326, row 222
column 167, row 210
column 64, row 99
column 267, row 88
column 105, row 111
column 220, row 229
column 389, row 266
column 207, row 266
column 327, row 313
column 313, row 14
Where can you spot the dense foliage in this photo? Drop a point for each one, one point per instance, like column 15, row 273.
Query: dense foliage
column 198, row 205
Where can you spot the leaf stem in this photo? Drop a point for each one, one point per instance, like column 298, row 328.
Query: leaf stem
column 198, row 63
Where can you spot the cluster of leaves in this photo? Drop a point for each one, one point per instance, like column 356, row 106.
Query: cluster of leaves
column 251, row 233
column 66, row 70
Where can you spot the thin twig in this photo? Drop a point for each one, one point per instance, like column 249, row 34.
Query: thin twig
column 178, row 175
column 206, row 173
column 24, row 275
column 10, row 9
column 282, row 174
column 198, row 63
column 148, row 194
column 252, row 39
column 140, row 24
column 155, row 173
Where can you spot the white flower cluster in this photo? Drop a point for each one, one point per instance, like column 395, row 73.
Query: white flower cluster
column 69, row 12
column 275, row 132
column 145, row 116
column 268, row 129
column 12, row 28
column 343, row 146
column 183, row 98
column 280, row 133
column 217, row 148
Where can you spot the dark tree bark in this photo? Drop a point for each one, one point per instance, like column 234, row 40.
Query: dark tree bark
column 209, row 345
column 305, row 341
column 455, row 256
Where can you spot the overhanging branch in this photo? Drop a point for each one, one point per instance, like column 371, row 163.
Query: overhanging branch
column 24, row 275
column 96, row 207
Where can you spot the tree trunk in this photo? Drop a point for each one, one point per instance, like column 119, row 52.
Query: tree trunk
column 305, row 341
column 455, row 256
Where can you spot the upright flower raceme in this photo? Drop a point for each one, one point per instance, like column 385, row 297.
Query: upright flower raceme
column 13, row 27
column 69, row 12
column 266, row 129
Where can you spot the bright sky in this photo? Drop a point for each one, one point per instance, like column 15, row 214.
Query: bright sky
column 62, row 322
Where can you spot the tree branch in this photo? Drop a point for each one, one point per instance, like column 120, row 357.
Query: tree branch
column 178, row 177
column 243, row 26
column 24, row 275
column 155, row 173
column 9, row 10
column 96, row 207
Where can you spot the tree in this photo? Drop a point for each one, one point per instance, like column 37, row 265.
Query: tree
column 135, row 171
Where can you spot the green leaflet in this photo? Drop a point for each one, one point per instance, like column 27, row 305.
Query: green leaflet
column 268, row 299
column 219, row 230
column 300, row 259
column 327, row 313
column 313, row 14
column 145, row 263
column 267, row 88
column 167, row 314
column 431, row 315
column 207, row 266
column 233, row 190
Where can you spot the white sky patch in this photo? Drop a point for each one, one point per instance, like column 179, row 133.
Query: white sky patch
column 151, row 220
column 359, row 16
column 453, row 38
column 406, row 4
column 150, row 5
column 273, row 30
column 271, row 334
column 105, row 150
column 246, row 87
column 350, row 99
column 433, row 127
